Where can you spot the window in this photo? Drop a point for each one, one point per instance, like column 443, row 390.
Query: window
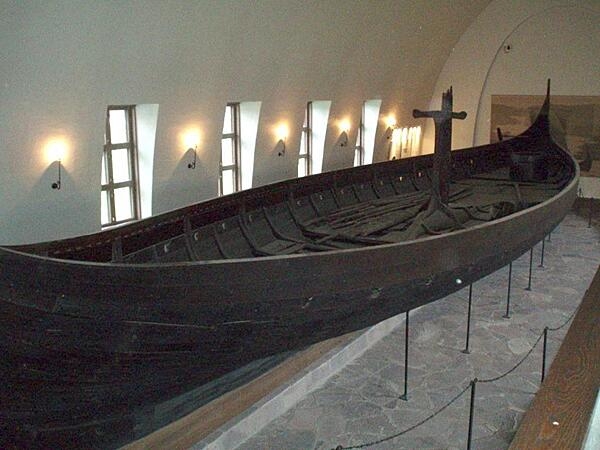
column 249, row 118
column 230, row 177
column 119, row 201
column 305, row 155
column 406, row 142
column 365, row 141
column 359, row 148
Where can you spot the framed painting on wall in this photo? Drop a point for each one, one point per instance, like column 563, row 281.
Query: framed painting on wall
column 575, row 121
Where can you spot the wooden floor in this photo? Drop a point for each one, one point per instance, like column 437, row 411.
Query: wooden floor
column 559, row 415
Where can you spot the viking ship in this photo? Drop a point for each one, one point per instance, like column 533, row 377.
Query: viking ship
column 97, row 330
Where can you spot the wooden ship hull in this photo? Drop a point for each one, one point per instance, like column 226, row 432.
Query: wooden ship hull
column 96, row 330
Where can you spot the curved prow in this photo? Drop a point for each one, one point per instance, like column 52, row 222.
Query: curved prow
column 541, row 125
column 531, row 156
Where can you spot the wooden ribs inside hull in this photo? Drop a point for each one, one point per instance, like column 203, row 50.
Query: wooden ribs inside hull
column 394, row 210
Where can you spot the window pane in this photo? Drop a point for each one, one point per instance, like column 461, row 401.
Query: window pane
column 357, row 152
column 123, row 206
column 358, row 149
column 104, row 217
column 359, row 135
column 395, row 148
column 303, row 143
column 302, row 167
column 120, row 165
column 227, row 128
column 118, row 126
column 103, row 178
column 228, row 182
column 227, row 151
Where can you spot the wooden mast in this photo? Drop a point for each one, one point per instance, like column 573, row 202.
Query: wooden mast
column 443, row 143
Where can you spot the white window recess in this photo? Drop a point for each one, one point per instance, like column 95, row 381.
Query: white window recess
column 365, row 140
column 320, row 117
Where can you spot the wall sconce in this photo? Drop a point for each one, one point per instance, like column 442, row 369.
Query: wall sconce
column 389, row 134
column 344, row 139
column 390, row 123
column 280, row 147
column 192, row 165
column 281, row 133
column 56, row 184
column 191, row 139
column 55, row 150
column 344, row 126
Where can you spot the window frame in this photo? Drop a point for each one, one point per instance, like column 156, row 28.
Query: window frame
column 132, row 153
column 306, row 148
column 234, row 135
column 359, row 148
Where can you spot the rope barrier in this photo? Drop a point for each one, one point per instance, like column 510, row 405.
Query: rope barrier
column 499, row 377
column 484, row 380
column 566, row 321
column 543, row 334
column 389, row 438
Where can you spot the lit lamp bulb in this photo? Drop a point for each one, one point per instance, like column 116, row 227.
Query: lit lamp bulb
column 344, row 126
column 55, row 150
column 390, row 121
column 191, row 139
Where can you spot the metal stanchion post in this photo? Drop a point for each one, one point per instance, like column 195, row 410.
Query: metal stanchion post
column 471, row 408
column 466, row 350
column 528, row 288
column 544, row 353
column 507, row 315
column 405, row 395
column 591, row 202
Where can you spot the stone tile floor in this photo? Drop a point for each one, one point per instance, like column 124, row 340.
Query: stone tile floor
column 361, row 403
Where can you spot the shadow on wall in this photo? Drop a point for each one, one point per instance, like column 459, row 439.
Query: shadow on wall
column 44, row 213
column 187, row 185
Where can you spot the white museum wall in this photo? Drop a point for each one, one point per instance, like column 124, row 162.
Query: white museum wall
column 64, row 63
column 553, row 39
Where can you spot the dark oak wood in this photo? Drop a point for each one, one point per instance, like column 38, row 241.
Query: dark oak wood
column 194, row 427
column 443, row 142
column 559, row 415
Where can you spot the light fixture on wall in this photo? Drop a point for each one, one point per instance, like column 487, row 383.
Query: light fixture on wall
column 191, row 139
column 390, row 124
column 344, row 126
column 192, row 165
column 390, row 121
column 281, row 133
column 55, row 150
column 56, row 184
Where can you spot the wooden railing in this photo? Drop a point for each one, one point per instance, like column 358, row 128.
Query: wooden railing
column 559, row 415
